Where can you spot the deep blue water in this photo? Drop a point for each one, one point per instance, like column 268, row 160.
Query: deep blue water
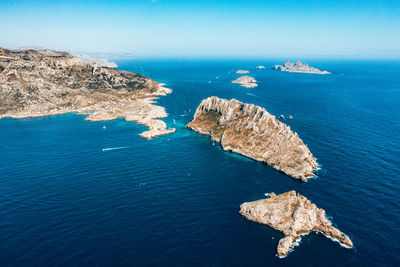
column 174, row 200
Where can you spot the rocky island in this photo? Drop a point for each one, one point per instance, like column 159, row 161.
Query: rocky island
column 293, row 215
column 246, row 81
column 251, row 131
column 260, row 67
column 298, row 67
column 39, row 83
column 242, row 71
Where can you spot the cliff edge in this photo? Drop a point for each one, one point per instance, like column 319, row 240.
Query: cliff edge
column 251, row 131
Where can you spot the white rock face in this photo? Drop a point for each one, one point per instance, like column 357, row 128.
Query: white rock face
column 251, row 131
column 293, row 215
column 299, row 68
column 246, row 81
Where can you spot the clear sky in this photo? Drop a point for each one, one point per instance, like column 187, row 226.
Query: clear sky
column 248, row 28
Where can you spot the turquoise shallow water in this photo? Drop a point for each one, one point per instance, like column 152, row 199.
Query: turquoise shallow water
column 174, row 200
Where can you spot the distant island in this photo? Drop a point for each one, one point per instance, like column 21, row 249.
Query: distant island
column 293, row 215
column 39, row 83
column 246, row 81
column 260, row 67
column 242, row 71
column 299, row 67
column 251, row 131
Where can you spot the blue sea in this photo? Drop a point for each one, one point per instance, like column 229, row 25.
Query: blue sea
column 174, row 200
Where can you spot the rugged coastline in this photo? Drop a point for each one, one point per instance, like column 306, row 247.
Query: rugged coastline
column 41, row 83
column 293, row 215
column 251, row 131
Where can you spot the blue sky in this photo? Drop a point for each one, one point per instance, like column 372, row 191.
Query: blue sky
column 153, row 28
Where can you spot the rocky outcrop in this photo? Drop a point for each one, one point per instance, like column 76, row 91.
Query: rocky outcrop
column 246, row 81
column 251, row 131
column 293, row 215
column 260, row 67
column 242, row 71
column 39, row 83
column 299, row 68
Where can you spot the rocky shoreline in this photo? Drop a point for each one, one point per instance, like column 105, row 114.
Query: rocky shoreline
column 251, row 131
column 294, row 215
column 39, row 83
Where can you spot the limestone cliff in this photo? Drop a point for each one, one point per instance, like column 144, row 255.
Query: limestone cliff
column 38, row 83
column 293, row 215
column 251, row 131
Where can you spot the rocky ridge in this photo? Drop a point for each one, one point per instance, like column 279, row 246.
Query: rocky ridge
column 251, row 131
column 293, row 215
column 298, row 67
column 40, row 83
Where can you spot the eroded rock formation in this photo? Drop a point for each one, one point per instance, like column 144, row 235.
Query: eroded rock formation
column 293, row 215
column 39, row 83
column 299, row 68
column 251, row 131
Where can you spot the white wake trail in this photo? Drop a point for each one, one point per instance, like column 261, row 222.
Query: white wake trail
column 114, row 148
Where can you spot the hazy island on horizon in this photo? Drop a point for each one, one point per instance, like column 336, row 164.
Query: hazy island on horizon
column 299, row 67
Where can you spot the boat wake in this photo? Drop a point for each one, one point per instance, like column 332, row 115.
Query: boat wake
column 250, row 94
column 114, row 148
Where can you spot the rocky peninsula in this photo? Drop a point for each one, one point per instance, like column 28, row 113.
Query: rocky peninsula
column 37, row 83
column 251, row 131
column 246, row 81
column 298, row 67
column 293, row 215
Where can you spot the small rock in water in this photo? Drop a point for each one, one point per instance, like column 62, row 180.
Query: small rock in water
column 281, row 116
column 290, row 117
column 246, row 81
column 242, row 71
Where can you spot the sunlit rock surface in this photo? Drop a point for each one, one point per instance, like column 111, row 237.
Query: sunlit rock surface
column 39, row 83
column 251, row 131
column 293, row 215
